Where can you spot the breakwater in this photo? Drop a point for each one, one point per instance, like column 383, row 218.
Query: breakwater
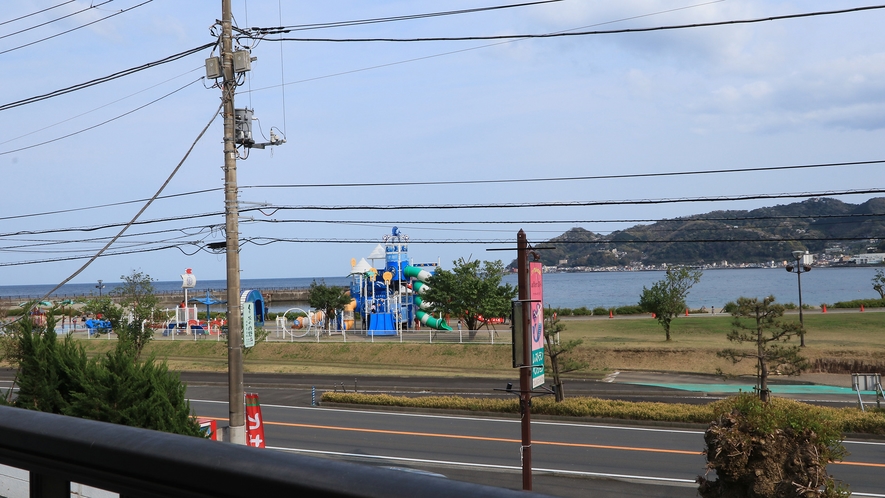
column 170, row 299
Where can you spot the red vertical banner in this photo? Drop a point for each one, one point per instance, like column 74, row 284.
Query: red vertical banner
column 254, row 422
column 209, row 427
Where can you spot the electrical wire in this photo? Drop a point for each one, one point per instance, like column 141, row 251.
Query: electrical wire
column 78, row 27
column 105, row 79
column 587, row 33
column 142, row 210
column 36, row 12
column 98, row 108
column 263, row 241
column 453, row 52
column 536, row 204
column 56, row 19
column 102, row 123
column 831, row 219
column 91, row 259
column 571, row 178
column 409, row 17
column 837, row 218
column 455, row 182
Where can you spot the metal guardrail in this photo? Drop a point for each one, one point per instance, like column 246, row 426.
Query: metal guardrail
column 58, row 450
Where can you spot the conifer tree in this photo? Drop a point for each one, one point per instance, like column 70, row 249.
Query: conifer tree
column 56, row 376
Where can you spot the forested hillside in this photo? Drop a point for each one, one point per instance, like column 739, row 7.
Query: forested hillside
column 756, row 236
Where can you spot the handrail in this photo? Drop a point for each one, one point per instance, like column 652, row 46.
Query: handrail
column 142, row 463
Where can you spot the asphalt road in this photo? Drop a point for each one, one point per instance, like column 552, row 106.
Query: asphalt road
column 570, row 458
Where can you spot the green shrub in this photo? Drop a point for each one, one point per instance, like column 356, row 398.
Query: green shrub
column 784, row 413
column 582, row 311
column 768, row 449
column 599, row 310
column 857, row 303
column 628, row 310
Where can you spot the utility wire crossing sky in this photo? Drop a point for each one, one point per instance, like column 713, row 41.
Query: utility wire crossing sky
column 505, row 116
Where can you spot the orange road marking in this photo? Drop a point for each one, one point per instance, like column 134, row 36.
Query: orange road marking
column 510, row 440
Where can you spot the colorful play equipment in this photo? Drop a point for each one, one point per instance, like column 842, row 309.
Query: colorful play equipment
column 311, row 323
column 254, row 296
column 392, row 303
column 97, row 326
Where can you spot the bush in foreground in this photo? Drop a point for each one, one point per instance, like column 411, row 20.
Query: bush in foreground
column 771, row 449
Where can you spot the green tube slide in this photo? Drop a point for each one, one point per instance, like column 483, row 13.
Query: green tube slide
column 415, row 272
column 434, row 323
column 420, row 287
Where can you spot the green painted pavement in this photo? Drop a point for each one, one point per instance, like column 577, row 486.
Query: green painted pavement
column 777, row 388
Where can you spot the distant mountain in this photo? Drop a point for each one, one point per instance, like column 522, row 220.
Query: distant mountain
column 760, row 235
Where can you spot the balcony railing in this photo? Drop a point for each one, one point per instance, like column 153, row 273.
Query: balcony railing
column 58, row 450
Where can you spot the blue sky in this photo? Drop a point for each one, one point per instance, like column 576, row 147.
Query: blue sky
column 778, row 93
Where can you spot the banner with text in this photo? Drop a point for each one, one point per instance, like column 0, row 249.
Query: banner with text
column 254, row 423
column 536, row 295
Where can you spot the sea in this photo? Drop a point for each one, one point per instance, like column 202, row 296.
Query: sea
column 574, row 290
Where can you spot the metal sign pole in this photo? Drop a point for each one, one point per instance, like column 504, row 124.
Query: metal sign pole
column 525, row 371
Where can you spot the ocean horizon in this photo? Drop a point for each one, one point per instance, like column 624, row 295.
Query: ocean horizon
column 574, row 290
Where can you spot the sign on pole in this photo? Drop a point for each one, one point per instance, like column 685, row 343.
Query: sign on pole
column 248, row 324
column 536, row 295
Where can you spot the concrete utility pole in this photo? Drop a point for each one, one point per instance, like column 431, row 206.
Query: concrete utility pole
column 236, row 400
column 525, row 371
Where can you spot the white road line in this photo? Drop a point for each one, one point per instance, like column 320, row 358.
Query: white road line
column 481, row 419
column 486, row 466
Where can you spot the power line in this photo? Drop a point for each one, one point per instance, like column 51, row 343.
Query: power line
column 452, row 52
column 586, row 33
column 95, row 6
column 78, row 27
column 213, row 228
column 268, row 240
column 104, row 79
column 338, row 24
column 457, row 182
column 512, row 205
column 97, row 108
column 36, row 12
column 92, row 258
column 835, row 218
column 139, row 213
column 571, row 178
column 102, row 123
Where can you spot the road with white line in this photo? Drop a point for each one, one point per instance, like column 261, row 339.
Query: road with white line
column 569, row 459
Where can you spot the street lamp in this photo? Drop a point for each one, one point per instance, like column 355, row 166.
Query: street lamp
column 99, row 287
column 800, row 269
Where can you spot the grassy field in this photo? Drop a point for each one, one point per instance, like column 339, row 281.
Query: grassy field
column 834, row 341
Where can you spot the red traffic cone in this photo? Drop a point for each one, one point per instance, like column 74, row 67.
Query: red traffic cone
column 611, row 314
column 824, row 308
column 653, row 315
column 861, row 308
column 686, row 311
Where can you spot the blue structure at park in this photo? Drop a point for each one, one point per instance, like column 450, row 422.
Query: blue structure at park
column 254, row 296
column 388, row 300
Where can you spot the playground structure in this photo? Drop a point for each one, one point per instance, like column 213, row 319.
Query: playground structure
column 311, row 323
column 391, row 304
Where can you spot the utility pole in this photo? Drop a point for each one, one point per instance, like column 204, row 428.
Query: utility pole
column 236, row 400
column 525, row 371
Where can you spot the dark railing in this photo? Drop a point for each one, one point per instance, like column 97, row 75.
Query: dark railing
column 58, row 450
